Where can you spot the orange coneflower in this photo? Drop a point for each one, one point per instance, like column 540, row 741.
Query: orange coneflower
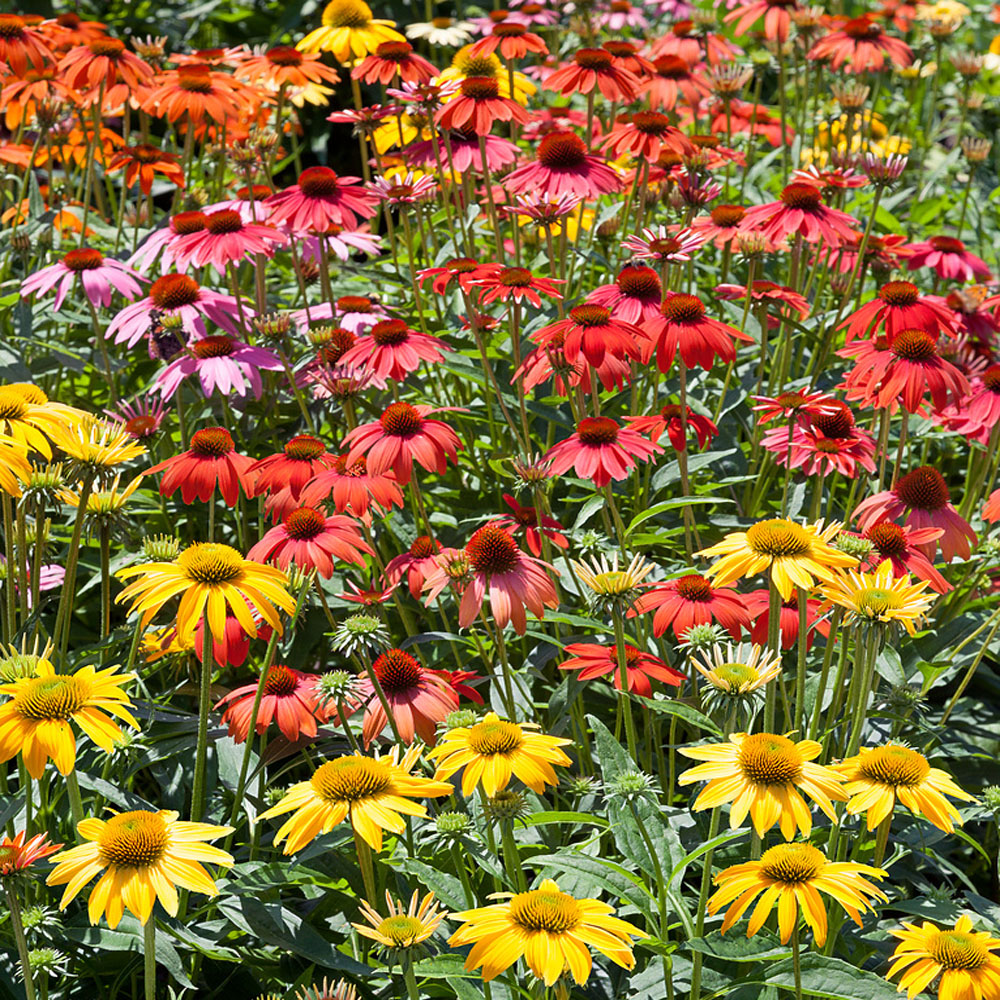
column 300, row 74
column 21, row 45
column 22, row 96
column 199, row 92
column 106, row 63
column 142, row 163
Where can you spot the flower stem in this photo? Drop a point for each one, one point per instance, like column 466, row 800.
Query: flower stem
column 796, row 962
column 366, row 865
column 204, row 703
column 75, row 801
column 706, row 885
column 22, row 943
column 149, row 958
column 412, row 993
column 625, row 699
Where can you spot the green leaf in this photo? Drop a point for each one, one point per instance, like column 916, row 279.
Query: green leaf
column 446, row 887
column 740, row 948
column 449, row 966
column 561, row 818
column 832, row 979
column 682, row 710
column 129, row 938
column 658, row 508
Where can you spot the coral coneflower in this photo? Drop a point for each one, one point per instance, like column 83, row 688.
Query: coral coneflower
column 683, row 326
column 900, row 545
column 899, row 306
column 416, row 564
column 142, row 163
column 949, row 259
column 512, row 40
column 391, row 61
column 391, row 349
column 17, row 853
column 211, row 461
column 594, row 660
column 600, row 450
column 312, row 540
column 503, row 284
column 563, row 165
column 301, row 74
column 758, row 605
column 197, row 93
column 777, row 16
column 635, row 296
column 823, row 443
column 289, row 699
column 861, row 46
column 592, row 68
column 645, row 135
column 800, row 211
column 672, row 82
column 589, row 332
column 669, row 419
column 479, row 105
column 351, row 485
column 319, row 200
column 22, row 46
column 99, row 276
column 692, row 600
column 289, row 471
column 527, row 519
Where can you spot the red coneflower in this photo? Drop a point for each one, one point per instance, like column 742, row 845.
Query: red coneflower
column 197, row 93
column 782, row 303
column 212, row 460
column 319, row 200
column 498, row 568
column 512, row 39
column 823, row 443
column 464, row 271
column 722, row 225
column 922, row 495
column 391, row 60
column 225, row 239
column 479, row 106
column 799, row 402
column 692, row 600
column 16, row 853
column 646, row 135
column 758, row 604
column 674, row 81
column 21, row 45
column 669, row 420
column 352, row 486
column 401, row 436
column 285, row 474
column 600, row 450
column 590, row 332
column 503, row 284
column 142, row 163
column 635, row 296
column 232, row 648
column 392, row 350
column 290, row 699
column 682, row 325
column 310, row 539
column 949, row 258
column 627, row 55
column 550, row 360
column 594, row 660
column 563, row 166
column 594, row 68
column 753, row 119
column 860, row 46
column 777, row 15
column 527, row 518
column 899, row 306
column 982, row 408
column 882, row 253
column 903, row 547
column 417, row 563
column 418, row 698
column 800, row 212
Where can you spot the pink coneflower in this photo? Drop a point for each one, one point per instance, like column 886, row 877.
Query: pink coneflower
column 661, row 245
column 356, row 312
column 416, row 564
column 897, row 307
column 672, row 82
column 721, row 225
column 284, row 475
column 547, row 212
column 782, row 303
column 392, row 60
column 645, row 135
column 824, row 443
column 758, row 604
column 777, row 15
column 922, row 495
column 352, row 486
column 669, row 419
column 463, row 271
column 320, row 200
column 683, row 326
column 225, row 239
column 949, row 258
column 407, row 189
column 517, row 284
column 140, row 419
column 290, row 699
column 594, row 660
column 836, row 178
column 498, row 568
column 902, row 546
column 418, row 698
column 634, row 297
column 982, row 408
column 800, row 212
column 221, row 363
column 692, row 600
column 620, row 15
column 527, row 518
column 343, row 244
column 861, row 46
column 175, row 295
column 793, row 403
column 883, row 253
column 391, row 349
column 589, row 332
column 99, row 276
column 513, row 41
column 401, row 436
column 595, row 68
column 479, row 106
column 311, row 540
column 564, row 166
column 180, row 225
column 600, row 450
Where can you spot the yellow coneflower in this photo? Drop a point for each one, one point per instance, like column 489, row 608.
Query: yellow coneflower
column 738, row 669
column 208, row 577
column 405, row 926
column 29, row 417
column 878, row 776
column 550, row 929
column 764, row 775
column 465, row 64
column 962, row 957
column 349, row 31
column 15, row 469
column 880, row 596
column 97, row 444
column 104, row 503
column 144, row 855
column 35, row 722
column 795, row 554
column 370, row 791
column 494, row 750
column 792, row 875
column 339, row 990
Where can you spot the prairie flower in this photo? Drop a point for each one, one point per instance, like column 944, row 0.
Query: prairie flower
column 683, row 326
column 513, row 41
column 503, row 284
column 861, row 46
column 416, row 564
column 141, row 418
column 391, row 349
column 669, row 420
column 220, row 363
column 321, row 199
column 828, row 442
column 592, row 68
column 764, row 775
column 588, row 333
column 300, row 73
column 645, row 135
column 692, row 600
column 17, row 854
column 964, row 959
column 777, row 16
column 601, row 451
column 563, row 165
column 528, row 519
column 290, row 699
column 312, row 540
column 611, row 586
column 144, row 856
column 466, row 65
column 289, row 471
column 196, row 93
column 106, row 60
column 792, row 875
column 899, row 306
column 800, row 211
column 478, row 105
column 99, row 276
column 662, row 245
column 225, row 239
column 352, row 486
column 792, row 403
column 211, row 461
column 29, row 420
column 949, row 259
column 143, row 162
column 370, row 792
column 22, row 46
column 493, row 751
column 547, row 927
column 794, row 554
column 391, row 60
column 96, row 444
column 877, row 777
column 899, row 546
column 35, row 720
column 594, row 660
column 738, row 670
column 208, row 577
column 879, row 596
column 634, row 297
column 758, row 605
column 443, row 31
column 674, row 82
column 349, row 31
column 405, row 927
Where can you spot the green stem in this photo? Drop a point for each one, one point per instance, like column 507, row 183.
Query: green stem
column 706, row 885
column 796, row 962
column 22, row 943
column 204, row 703
column 625, row 699
column 149, row 958
column 75, row 800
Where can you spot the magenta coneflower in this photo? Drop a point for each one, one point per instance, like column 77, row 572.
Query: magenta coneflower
column 634, row 297
column 513, row 41
column 592, row 68
column 824, row 443
column 320, row 200
column 352, row 486
column 590, row 332
column 683, row 326
column 99, row 276
column 661, row 245
column 221, row 363
column 800, row 212
column 692, row 600
column 312, row 540
column 949, row 258
column 498, row 568
column 465, row 152
column 140, row 419
column 225, row 239
column 159, row 244
column 563, row 165
column 600, row 450
column 899, row 306
column 416, row 563
column 392, row 60
column 391, row 349
column 922, row 495
column 594, row 660
column 645, row 135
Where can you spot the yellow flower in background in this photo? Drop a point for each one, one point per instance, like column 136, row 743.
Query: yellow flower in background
column 97, row 444
column 550, row 929
column 764, row 775
column 144, row 856
column 208, row 577
column 402, row 131
column 862, row 132
column 879, row 776
column 880, row 596
column 405, row 926
column 35, row 722
column 792, row 875
column 369, row 791
column 793, row 553
column 30, row 418
column 493, row 751
column 950, row 11
column 917, row 70
column 349, row 31
column 465, row 65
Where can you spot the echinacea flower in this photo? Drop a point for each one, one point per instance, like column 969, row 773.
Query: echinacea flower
column 311, row 540
column 758, row 605
column 404, row 927
column 861, row 46
column 592, row 68
column 441, row 31
column 226, row 239
column 391, row 349
column 738, row 670
column 287, row 472
column 96, row 444
column 463, row 271
column 494, row 750
column 949, row 259
column 691, row 600
column 777, row 16
column 142, row 163
column 600, row 450
column 645, row 135
column 221, row 363
column 669, row 420
column 764, row 775
column 535, row 525
column 634, row 297
column 664, row 246
column 588, row 333
column 793, row 403
column 141, row 418
column 899, row 306
column 512, row 40
column 349, row 31
column 141, row 856
column 370, row 792
column 289, row 698
column 416, row 564
column 800, row 211
column 503, row 284
column 300, row 74
column 18, row 853
column 35, row 719
column 563, row 165
column 211, row 462
column 197, row 94
column 900, row 546
column 321, row 199
column 829, row 441
column 594, row 660
column 99, row 276
column 550, row 929
column 392, row 61
column 478, row 106
column 879, row 596
column 683, row 326
column 674, row 82
column 22, row 46
column 353, row 486
column 29, row 419
column 722, row 225
column 791, row 875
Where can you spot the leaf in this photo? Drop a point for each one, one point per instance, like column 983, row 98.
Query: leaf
column 445, row 967
column 544, row 818
column 832, row 979
column 738, row 947
column 658, row 508
column 683, row 711
column 129, row 938
column 447, row 888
